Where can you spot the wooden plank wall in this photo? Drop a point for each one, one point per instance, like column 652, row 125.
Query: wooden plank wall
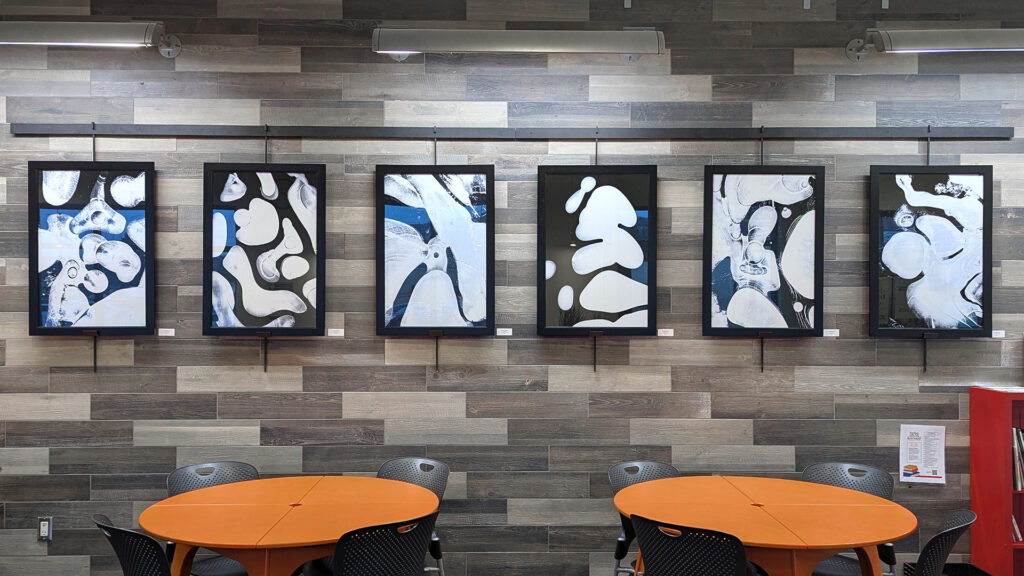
column 527, row 427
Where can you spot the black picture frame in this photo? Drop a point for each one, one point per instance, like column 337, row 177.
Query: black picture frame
column 818, row 196
column 385, row 328
column 547, row 187
column 147, row 264
column 213, row 178
column 879, row 187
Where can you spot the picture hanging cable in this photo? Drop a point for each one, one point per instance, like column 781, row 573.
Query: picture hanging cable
column 928, row 148
column 435, row 145
column 594, row 334
column 762, row 156
column 436, row 335
column 266, row 147
column 93, row 141
column 761, row 336
column 95, row 341
column 264, row 347
column 597, row 131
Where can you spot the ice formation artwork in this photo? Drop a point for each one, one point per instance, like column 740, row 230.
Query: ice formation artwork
column 763, row 251
column 90, row 247
column 262, row 266
column 931, row 251
column 597, row 247
column 435, row 236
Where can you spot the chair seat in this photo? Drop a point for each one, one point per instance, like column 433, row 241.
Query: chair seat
column 218, row 566
column 838, row 566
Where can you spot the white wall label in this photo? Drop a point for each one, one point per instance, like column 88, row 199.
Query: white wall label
column 666, row 332
column 336, row 332
column 165, row 332
column 504, row 331
column 830, row 333
column 999, row 333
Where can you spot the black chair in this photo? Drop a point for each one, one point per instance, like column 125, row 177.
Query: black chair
column 933, row 557
column 188, row 478
column 430, row 474
column 626, row 474
column 862, row 478
column 138, row 553
column 387, row 550
column 670, row 550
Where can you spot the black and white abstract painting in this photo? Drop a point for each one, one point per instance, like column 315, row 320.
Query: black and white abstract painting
column 435, row 249
column 596, row 250
column 90, row 261
column 264, row 249
column 931, row 251
column 763, row 250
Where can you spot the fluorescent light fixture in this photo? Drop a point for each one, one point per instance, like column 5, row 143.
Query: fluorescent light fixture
column 402, row 41
column 90, row 35
column 928, row 41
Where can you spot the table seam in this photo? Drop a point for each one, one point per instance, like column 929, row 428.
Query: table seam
column 770, row 515
column 285, row 515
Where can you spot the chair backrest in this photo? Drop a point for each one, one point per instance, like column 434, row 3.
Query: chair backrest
column 430, row 474
column 671, row 550
column 628, row 473
column 188, row 478
column 387, row 550
column 139, row 554
column 935, row 553
column 858, row 477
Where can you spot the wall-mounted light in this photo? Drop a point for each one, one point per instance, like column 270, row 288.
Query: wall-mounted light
column 401, row 42
column 924, row 41
column 91, row 35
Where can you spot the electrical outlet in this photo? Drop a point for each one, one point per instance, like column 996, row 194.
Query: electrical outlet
column 504, row 331
column 45, row 528
column 166, row 332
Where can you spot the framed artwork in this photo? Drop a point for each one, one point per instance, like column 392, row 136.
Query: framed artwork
column 597, row 250
column 931, row 251
column 90, row 248
column 263, row 242
column 763, row 250
column 435, row 250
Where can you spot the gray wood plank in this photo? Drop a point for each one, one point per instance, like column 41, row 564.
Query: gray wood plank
column 732, row 61
column 752, row 87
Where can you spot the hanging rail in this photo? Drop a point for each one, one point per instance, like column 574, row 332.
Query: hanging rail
column 431, row 133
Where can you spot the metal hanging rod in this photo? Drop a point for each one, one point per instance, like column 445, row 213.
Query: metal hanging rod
column 430, row 133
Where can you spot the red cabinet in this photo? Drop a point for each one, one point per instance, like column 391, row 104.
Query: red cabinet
column 994, row 413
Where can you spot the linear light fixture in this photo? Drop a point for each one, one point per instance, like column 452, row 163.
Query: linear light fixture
column 91, row 35
column 924, row 41
column 403, row 41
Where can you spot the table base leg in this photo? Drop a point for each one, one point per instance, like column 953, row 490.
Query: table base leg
column 181, row 564
column 870, row 563
column 791, row 562
column 274, row 561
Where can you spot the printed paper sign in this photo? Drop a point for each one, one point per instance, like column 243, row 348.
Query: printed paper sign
column 922, row 454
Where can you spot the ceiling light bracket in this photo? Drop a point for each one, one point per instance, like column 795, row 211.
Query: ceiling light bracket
column 857, row 49
column 169, row 46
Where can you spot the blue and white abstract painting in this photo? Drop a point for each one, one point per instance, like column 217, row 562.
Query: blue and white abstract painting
column 91, row 249
column 435, row 250
column 931, row 242
column 763, row 251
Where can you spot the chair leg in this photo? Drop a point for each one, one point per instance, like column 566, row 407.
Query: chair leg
column 618, row 569
column 439, row 568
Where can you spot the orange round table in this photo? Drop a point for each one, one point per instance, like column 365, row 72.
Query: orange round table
column 273, row 526
column 786, row 526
